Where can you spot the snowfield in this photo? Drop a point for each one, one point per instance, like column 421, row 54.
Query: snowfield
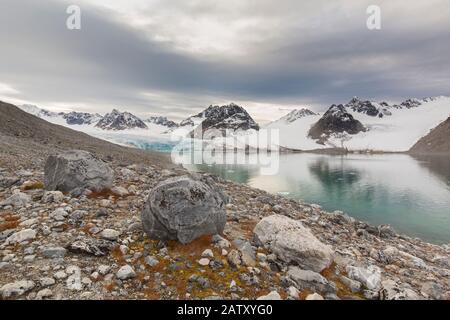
column 397, row 130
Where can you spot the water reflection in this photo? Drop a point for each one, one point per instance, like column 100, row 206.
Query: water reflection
column 411, row 194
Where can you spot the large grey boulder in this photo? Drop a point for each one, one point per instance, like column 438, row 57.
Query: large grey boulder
column 77, row 169
column 293, row 243
column 184, row 208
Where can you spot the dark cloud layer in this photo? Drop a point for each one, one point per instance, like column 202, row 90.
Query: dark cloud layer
column 109, row 63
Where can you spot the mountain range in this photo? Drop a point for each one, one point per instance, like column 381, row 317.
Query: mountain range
column 359, row 125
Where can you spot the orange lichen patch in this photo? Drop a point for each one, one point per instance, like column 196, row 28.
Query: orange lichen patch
column 342, row 290
column 33, row 185
column 9, row 225
column 196, row 247
column 10, row 222
column 110, row 286
column 105, row 194
column 247, row 226
column 303, row 294
column 117, row 254
column 87, row 227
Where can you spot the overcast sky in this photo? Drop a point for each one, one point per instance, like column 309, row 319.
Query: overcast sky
column 175, row 58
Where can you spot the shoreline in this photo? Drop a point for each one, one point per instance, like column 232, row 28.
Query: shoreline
column 405, row 264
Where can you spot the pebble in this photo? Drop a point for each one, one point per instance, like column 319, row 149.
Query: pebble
column 126, row 272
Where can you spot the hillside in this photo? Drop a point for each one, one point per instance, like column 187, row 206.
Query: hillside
column 24, row 137
column 437, row 141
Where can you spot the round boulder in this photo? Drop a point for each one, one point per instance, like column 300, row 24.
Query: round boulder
column 75, row 169
column 184, row 208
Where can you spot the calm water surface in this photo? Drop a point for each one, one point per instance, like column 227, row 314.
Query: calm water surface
column 410, row 193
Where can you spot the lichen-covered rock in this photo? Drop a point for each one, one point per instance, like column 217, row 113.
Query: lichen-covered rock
column 17, row 288
column 75, row 169
column 18, row 199
column 184, row 208
column 293, row 243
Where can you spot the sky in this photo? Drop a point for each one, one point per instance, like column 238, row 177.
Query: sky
column 174, row 58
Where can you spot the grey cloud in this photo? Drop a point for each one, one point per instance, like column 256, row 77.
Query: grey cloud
column 108, row 63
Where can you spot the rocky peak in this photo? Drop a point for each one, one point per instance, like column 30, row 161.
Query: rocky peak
column 162, row 121
column 297, row 114
column 231, row 116
column 365, row 107
column 81, row 118
column 335, row 120
column 116, row 120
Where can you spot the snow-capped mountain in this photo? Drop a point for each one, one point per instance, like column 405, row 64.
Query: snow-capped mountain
column 116, row 120
column 38, row 112
column 162, row 121
column 335, row 120
column 295, row 115
column 228, row 117
column 80, row 118
column 369, row 108
column 387, row 127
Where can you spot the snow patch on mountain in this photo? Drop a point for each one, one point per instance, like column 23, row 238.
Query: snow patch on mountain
column 162, row 121
column 116, row 120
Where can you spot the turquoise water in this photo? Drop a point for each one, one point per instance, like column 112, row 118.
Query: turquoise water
column 411, row 194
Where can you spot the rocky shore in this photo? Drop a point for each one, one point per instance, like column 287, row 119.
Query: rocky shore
column 91, row 245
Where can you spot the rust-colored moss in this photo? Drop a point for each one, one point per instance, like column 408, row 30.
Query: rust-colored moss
column 342, row 290
column 33, row 186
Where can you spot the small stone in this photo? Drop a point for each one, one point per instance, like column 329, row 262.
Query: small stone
column 60, row 275
column 369, row 277
column 151, row 261
column 17, row 200
column 207, row 254
column 110, row 234
column 261, row 257
column 203, row 262
column 47, row 281
column 234, row 258
column 119, row 191
column 52, row 196
column 293, row 292
column 126, row 272
column 314, row 296
column 21, row 236
column 103, row 269
column 54, row 252
column 44, row 293
column 16, row 289
column 273, row 295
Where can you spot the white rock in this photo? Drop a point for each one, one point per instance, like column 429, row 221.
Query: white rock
column 273, row 295
column 203, row 262
column 44, row 293
column 21, row 236
column 125, row 272
column 120, row 191
column 314, row 296
column 17, row 288
column 293, row 292
column 110, row 234
column 293, row 243
column 29, row 222
column 18, row 199
column 103, row 269
column 369, row 277
column 208, row 254
column 73, row 282
column 47, row 281
column 52, row 196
